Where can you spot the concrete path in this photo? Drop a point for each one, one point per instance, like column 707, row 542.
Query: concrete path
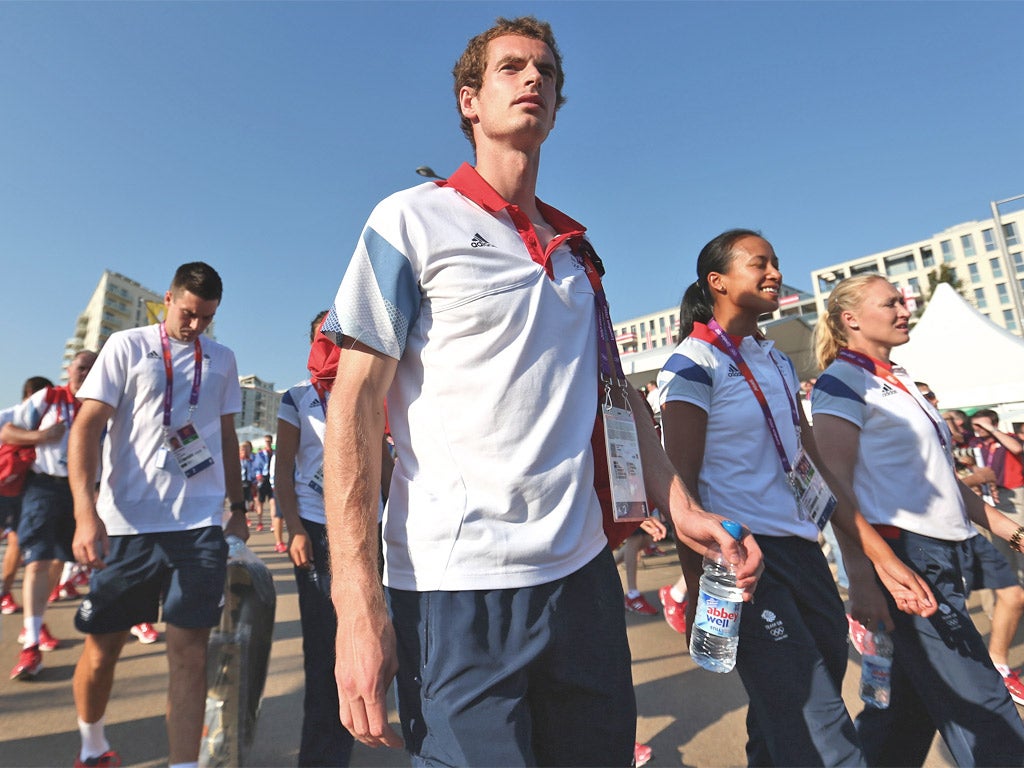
column 690, row 717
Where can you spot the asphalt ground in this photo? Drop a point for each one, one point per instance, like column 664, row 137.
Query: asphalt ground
column 689, row 717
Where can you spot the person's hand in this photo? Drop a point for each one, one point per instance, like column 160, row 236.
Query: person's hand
column 237, row 526
column 983, row 424
column 300, row 549
column 911, row 592
column 745, row 556
column 868, row 604
column 366, row 663
column 91, row 545
column 654, row 527
column 53, row 433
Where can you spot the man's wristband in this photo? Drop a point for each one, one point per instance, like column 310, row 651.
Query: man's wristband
column 1014, row 540
column 238, row 506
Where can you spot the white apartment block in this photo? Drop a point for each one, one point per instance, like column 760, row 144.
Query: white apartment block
column 118, row 303
column 989, row 274
column 260, row 403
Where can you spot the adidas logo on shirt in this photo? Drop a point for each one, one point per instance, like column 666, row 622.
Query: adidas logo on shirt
column 479, row 242
column 887, row 390
column 153, row 354
column 734, row 371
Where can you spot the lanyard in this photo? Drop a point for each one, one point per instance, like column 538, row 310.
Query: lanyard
column 728, row 346
column 197, row 377
column 884, row 372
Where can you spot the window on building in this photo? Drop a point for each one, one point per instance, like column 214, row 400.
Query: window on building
column 1010, row 233
column 947, row 250
column 1018, row 261
column 979, row 298
column 927, row 257
column 897, row 265
column 915, row 285
column 661, row 323
column 996, row 266
column 1003, row 293
column 974, row 272
column 967, row 244
column 868, row 268
column 988, row 236
column 1009, row 321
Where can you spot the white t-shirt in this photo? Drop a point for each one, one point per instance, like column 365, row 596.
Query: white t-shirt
column 136, row 494
column 904, row 476
column 34, row 413
column 495, row 393
column 741, row 477
column 301, row 408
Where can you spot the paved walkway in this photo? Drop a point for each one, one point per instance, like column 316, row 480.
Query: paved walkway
column 690, row 717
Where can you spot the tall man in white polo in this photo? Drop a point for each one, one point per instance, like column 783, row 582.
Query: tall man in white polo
column 470, row 305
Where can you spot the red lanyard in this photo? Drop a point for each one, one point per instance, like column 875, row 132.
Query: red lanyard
column 725, row 343
column 884, row 372
column 197, row 377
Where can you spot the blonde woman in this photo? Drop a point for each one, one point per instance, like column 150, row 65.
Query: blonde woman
column 889, row 449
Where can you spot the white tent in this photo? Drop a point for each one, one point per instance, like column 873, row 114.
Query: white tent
column 966, row 359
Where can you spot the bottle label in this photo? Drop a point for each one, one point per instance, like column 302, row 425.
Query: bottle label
column 876, row 680
column 717, row 616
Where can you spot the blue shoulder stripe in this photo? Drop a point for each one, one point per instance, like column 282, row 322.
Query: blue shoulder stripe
column 830, row 385
column 685, row 368
column 395, row 281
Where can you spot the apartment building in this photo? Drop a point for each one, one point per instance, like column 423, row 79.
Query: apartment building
column 118, row 303
column 990, row 272
column 260, row 403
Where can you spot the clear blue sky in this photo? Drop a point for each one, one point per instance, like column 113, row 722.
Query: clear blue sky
column 258, row 136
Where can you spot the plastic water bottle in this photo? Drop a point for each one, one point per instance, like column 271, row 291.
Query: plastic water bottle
column 717, row 623
column 876, row 669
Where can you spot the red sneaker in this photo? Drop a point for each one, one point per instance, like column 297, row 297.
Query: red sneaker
column 641, row 754
column 280, row 547
column 259, row 526
column 65, row 591
column 30, row 661
column 1014, row 686
column 7, row 604
column 109, row 759
column 81, row 578
column 652, row 550
column 675, row 612
column 145, row 632
column 47, row 642
column 640, row 605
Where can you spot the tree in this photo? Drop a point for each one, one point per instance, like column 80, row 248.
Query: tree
column 944, row 274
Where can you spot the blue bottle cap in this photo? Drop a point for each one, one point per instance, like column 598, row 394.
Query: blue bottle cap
column 735, row 529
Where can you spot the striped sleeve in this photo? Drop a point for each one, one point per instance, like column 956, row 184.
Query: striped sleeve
column 839, row 392
column 688, row 376
column 379, row 297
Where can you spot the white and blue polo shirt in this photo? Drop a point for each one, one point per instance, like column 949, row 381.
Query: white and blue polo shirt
column 741, row 477
column 904, row 475
column 495, row 393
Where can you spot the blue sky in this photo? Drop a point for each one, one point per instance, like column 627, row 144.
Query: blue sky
column 258, row 136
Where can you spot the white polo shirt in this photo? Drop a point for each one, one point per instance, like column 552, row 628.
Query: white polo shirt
column 136, row 494
column 301, row 408
column 495, row 394
column 904, row 476
column 741, row 477
column 36, row 413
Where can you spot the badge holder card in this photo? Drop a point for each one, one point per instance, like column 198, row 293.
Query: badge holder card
column 622, row 444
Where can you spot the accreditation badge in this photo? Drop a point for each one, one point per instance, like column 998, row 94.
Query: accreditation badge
column 629, row 498
column 814, row 497
column 189, row 450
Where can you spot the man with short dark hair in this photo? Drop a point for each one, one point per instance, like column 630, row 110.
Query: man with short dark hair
column 154, row 534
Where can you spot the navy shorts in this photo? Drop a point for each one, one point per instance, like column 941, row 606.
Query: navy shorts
column 47, row 525
column 265, row 490
column 513, row 677
column 10, row 513
column 183, row 570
